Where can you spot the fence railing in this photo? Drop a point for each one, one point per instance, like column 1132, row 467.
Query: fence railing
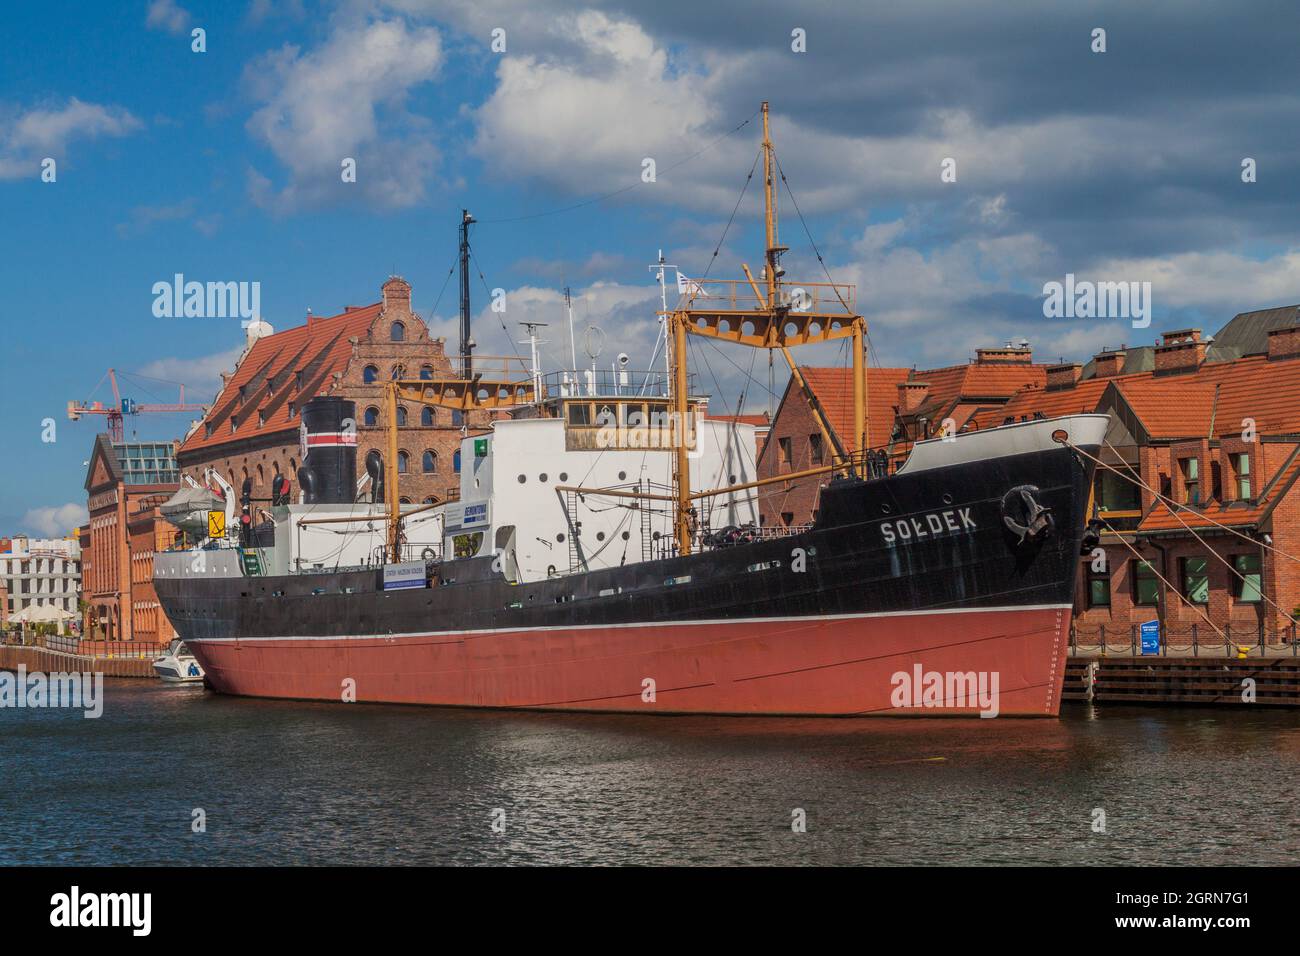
column 1187, row 640
column 137, row 650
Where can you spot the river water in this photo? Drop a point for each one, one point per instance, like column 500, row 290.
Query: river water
column 300, row 783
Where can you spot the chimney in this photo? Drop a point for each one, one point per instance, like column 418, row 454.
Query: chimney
column 1179, row 351
column 1020, row 354
column 397, row 294
column 911, row 395
column 1284, row 343
column 1060, row 377
column 1108, row 363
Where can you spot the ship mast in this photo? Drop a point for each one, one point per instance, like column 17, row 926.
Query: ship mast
column 815, row 312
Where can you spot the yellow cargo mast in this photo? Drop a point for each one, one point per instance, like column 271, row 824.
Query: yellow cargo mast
column 814, row 312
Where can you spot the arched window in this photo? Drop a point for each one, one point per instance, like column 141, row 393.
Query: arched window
column 426, row 417
column 372, row 416
column 404, row 500
column 370, row 374
column 293, row 468
column 397, row 332
column 429, row 500
column 261, row 476
column 455, row 461
column 430, row 462
column 426, row 372
column 457, row 417
column 401, row 414
column 403, row 462
column 399, row 371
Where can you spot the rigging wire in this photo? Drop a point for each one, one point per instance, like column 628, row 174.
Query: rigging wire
column 727, row 227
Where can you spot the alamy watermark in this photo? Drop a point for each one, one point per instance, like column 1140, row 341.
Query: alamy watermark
column 946, row 689
column 84, row 690
column 1085, row 299
column 206, row 300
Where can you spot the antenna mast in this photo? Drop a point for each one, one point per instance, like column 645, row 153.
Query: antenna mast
column 466, row 339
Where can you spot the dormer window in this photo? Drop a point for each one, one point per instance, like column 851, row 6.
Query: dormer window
column 293, row 410
column 1191, row 480
column 297, row 381
column 243, row 392
column 1241, row 464
column 261, row 417
column 207, row 430
column 234, row 423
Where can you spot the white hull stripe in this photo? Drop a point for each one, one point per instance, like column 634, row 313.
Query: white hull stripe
column 640, row 624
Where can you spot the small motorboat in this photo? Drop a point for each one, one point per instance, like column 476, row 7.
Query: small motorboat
column 178, row 665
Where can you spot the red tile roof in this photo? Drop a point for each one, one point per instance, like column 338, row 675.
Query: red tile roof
column 834, row 390
column 317, row 349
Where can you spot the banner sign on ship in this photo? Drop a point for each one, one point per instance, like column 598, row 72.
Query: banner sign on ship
column 408, row 574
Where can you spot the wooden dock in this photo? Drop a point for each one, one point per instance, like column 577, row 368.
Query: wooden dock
column 48, row 661
column 1227, row 681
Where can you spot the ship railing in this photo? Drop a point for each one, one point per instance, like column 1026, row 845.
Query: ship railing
column 1186, row 640
column 510, row 368
column 610, row 383
column 737, row 295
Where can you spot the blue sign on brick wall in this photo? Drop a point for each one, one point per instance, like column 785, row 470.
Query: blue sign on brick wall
column 1150, row 637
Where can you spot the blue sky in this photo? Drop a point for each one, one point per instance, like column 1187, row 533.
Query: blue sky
column 224, row 165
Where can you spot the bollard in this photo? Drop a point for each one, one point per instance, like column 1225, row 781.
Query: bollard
column 1242, row 652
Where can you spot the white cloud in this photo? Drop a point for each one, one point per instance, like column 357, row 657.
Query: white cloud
column 166, row 15
column 28, row 137
column 1227, row 281
column 201, row 375
column 345, row 99
column 55, row 521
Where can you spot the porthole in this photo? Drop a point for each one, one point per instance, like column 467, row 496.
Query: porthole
column 560, row 537
column 522, row 479
column 564, row 476
column 622, row 476
column 626, row 535
column 886, row 509
column 542, row 477
column 947, row 498
column 600, row 536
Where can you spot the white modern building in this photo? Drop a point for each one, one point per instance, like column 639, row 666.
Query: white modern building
column 40, row 579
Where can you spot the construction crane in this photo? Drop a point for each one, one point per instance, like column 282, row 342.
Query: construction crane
column 116, row 413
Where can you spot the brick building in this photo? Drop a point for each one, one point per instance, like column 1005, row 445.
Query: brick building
column 1213, row 425
column 125, row 482
column 252, row 427
column 903, row 405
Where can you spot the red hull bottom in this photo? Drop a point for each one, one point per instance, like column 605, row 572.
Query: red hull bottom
column 830, row 666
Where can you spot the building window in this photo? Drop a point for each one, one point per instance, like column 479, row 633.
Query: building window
column 426, row 372
column 815, row 448
column 429, row 500
column 1242, row 463
column 399, row 371
column 786, row 450
column 1196, row 580
column 1247, row 588
column 1191, row 480
column 293, row 410
column 1098, row 588
column 457, row 417
column 297, row 380
column 403, row 462
column 579, row 413
column 430, row 463
column 370, row 374
column 397, row 332
column 234, row 423
column 787, row 518
column 1146, row 586
column 455, row 461
column 372, row 416
column 401, row 414
column 426, row 417
column 261, row 417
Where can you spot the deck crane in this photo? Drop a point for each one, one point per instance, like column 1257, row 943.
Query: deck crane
column 115, row 413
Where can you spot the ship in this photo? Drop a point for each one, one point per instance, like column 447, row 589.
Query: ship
column 606, row 552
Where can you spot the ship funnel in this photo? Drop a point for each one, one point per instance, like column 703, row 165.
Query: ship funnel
column 329, row 469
